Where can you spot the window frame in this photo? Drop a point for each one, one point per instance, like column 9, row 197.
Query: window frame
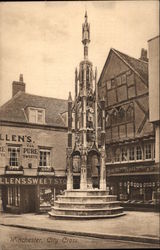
column 124, row 152
column 36, row 115
column 13, row 196
column 50, row 158
column 17, row 157
column 137, row 151
column 145, row 151
column 132, row 153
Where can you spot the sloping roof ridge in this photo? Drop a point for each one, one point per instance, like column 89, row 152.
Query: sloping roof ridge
column 118, row 53
column 47, row 97
column 11, row 99
column 130, row 56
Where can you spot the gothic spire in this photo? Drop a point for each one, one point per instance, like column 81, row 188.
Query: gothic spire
column 85, row 35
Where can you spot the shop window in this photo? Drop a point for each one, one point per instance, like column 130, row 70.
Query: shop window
column 124, row 154
column 46, row 196
column 14, row 196
column 14, row 156
column 148, row 153
column 36, row 115
column 131, row 154
column 45, row 158
column 138, row 153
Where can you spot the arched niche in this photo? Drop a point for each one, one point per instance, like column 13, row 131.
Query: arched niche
column 93, row 161
column 76, row 160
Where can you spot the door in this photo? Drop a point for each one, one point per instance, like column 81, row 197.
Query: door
column 28, row 199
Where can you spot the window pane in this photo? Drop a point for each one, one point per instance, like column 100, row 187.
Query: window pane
column 123, row 79
column 138, row 153
column 108, row 84
column 148, row 151
column 124, row 154
column 32, row 115
column 40, row 116
column 45, row 158
column 118, row 79
column 131, row 154
column 14, row 156
column 113, row 84
column 117, row 155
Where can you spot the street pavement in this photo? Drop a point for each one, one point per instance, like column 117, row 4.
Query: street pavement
column 27, row 239
column 134, row 226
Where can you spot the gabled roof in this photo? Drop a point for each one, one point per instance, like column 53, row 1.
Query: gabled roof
column 138, row 66
column 15, row 110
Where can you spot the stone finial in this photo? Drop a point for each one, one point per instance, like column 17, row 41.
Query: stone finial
column 69, row 97
column 21, row 77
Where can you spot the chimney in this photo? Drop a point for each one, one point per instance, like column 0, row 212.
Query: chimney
column 18, row 86
column 144, row 55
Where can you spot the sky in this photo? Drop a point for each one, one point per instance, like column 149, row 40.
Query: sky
column 42, row 40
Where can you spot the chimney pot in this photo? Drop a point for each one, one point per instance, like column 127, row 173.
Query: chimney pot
column 144, row 55
column 21, row 77
column 18, row 86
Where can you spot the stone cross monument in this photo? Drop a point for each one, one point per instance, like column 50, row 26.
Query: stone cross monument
column 86, row 202
column 84, row 108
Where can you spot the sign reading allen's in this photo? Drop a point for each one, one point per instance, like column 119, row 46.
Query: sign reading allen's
column 15, row 138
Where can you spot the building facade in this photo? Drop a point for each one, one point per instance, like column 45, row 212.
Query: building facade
column 132, row 173
column 154, row 101
column 32, row 150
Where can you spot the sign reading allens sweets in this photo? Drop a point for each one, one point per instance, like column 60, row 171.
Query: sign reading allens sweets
column 26, row 181
column 32, row 181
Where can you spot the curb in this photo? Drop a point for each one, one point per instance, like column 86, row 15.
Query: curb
column 94, row 235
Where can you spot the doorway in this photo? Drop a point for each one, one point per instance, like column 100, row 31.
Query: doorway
column 28, row 199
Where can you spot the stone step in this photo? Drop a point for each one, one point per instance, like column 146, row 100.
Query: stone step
column 61, row 204
column 85, row 209
column 88, row 212
column 86, row 198
column 88, row 192
column 88, row 217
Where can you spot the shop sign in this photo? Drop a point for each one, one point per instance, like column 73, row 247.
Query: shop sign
column 15, row 138
column 25, row 181
column 60, row 181
column 132, row 169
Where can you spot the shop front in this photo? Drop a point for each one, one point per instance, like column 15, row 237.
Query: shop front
column 27, row 194
column 134, row 183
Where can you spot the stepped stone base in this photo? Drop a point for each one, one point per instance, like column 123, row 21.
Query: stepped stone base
column 86, row 204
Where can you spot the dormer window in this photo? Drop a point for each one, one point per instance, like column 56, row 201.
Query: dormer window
column 36, row 115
